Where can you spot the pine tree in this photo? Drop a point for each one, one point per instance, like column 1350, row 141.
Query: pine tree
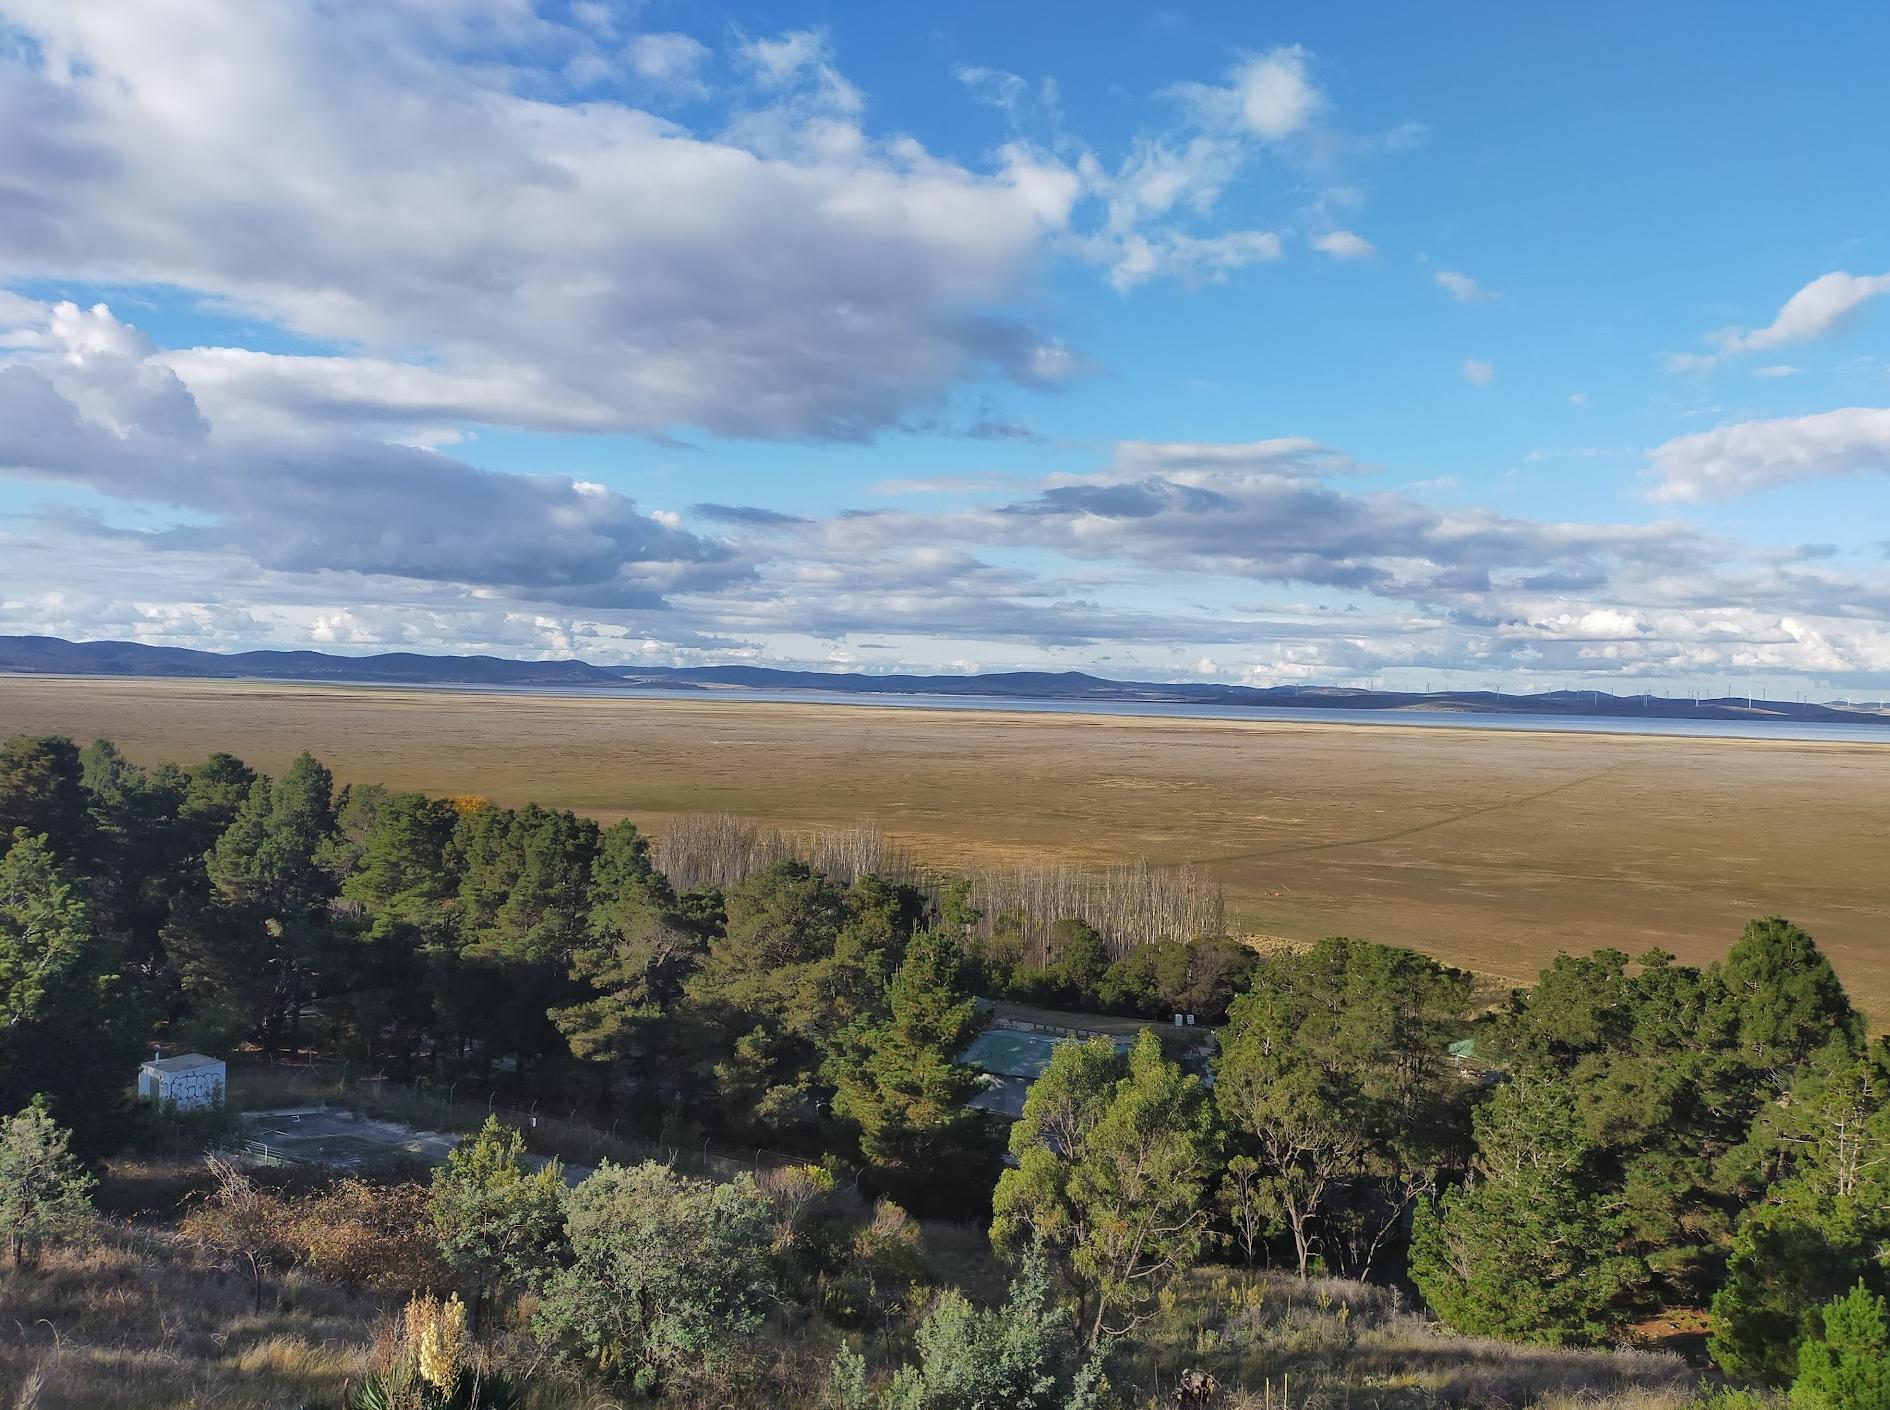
column 1333, row 1076
column 45, row 1194
column 1823, row 1219
column 638, row 950
column 263, row 933
column 70, row 1023
column 902, row 1084
column 40, row 792
column 1527, row 1249
column 1787, row 1001
column 1845, row 1365
column 402, row 878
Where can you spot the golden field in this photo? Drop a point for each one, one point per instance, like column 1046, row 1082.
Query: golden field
column 1490, row 849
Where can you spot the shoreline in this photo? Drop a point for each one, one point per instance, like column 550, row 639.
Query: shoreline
column 1017, row 711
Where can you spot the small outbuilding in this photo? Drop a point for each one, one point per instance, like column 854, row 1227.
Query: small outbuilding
column 187, row 1082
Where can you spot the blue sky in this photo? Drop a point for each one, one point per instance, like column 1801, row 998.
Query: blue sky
column 1491, row 345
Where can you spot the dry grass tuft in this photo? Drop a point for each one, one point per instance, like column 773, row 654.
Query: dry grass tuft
column 141, row 1319
column 1273, row 1341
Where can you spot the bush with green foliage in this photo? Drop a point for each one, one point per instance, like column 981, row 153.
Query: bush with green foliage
column 665, row 1273
column 1020, row 1356
column 45, row 1194
column 498, row 1222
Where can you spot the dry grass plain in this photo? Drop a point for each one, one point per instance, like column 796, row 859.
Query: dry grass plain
column 1492, row 850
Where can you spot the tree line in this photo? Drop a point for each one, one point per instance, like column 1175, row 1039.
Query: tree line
column 1015, row 909
column 1630, row 1134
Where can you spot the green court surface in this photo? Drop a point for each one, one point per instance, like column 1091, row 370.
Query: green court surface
column 1009, row 1052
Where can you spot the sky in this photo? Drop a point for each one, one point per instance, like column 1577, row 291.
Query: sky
column 1479, row 345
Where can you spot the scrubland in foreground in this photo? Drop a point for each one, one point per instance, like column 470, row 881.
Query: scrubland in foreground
column 146, row 1319
column 1489, row 850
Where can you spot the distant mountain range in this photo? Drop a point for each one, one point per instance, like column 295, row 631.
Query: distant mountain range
column 45, row 655
column 50, row 655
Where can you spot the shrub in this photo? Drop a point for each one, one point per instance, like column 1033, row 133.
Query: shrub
column 1021, row 1356
column 665, row 1272
column 45, row 1196
column 367, row 1235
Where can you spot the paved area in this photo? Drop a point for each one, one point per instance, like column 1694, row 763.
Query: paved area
column 1011, row 1059
column 342, row 1140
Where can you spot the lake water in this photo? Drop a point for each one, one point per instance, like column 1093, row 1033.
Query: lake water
column 1846, row 732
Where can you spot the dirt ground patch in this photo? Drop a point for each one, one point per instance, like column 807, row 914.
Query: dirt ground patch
column 1490, row 849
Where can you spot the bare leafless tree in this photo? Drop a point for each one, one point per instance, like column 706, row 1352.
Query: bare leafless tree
column 1130, row 905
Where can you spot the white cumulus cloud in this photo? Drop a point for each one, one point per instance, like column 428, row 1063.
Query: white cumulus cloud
column 1815, row 311
column 1461, row 287
column 668, row 57
column 1343, row 245
column 361, row 177
column 1277, row 97
column 1755, row 455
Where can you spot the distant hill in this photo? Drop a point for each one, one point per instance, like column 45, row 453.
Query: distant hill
column 49, row 655
column 1077, row 685
column 46, row 655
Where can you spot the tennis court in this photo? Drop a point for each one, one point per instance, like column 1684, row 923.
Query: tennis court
column 1012, row 1058
column 1014, row 1052
column 1008, row 1052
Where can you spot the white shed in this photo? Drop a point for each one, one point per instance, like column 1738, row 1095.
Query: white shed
column 187, row 1082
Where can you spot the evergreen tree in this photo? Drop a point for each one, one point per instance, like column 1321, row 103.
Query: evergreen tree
column 401, row 876
column 45, row 1194
column 1333, row 1076
column 1114, row 1159
column 262, row 936
column 1823, row 1220
column 766, row 986
column 638, row 951
column 1786, row 1000
column 45, row 927
column 40, row 792
column 524, row 900
column 1845, row 1364
column 1525, row 1250
column 269, row 858
column 1079, row 960
column 1645, row 1052
column 213, row 794
column 901, row 1083
column 137, row 859
column 70, row 1024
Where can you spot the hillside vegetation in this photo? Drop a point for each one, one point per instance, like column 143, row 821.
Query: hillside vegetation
column 1628, row 1144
